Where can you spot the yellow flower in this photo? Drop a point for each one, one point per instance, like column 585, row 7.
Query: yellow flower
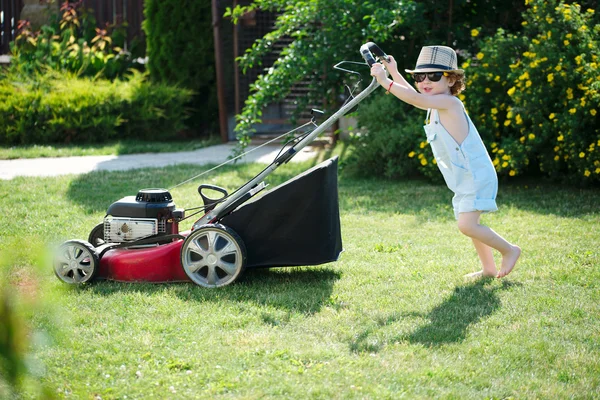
column 581, row 155
column 496, row 161
column 556, row 158
column 531, row 136
column 528, row 83
column 506, row 157
column 411, row 154
column 556, row 148
column 522, row 139
column 495, row 111
column 507, row 122
column 512, row 172
column 550, row 77
column 518, row 119
column 549, row 20
column 511, row 91
column 572, row 110
column 549, row 34
column 551, row 116
column 480, row 55
column 474, row 32
column 461, row 96
column 423, row 144
column 423, row 161
column 587, row 173
column 497, row 78
column 488, row 90
column 504, row 164
column 593, row 112
column 566, row 42
column 560, row 138
column 558, row 68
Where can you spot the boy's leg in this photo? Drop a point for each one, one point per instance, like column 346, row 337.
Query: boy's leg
column 468, row 224
column 487, row 260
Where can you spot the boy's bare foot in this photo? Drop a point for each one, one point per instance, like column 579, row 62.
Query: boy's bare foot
column 508, row 261
column 481, row 274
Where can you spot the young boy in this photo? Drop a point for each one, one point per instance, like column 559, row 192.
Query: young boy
column 457, row 147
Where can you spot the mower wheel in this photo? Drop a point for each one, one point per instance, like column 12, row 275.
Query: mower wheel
column 213, row 255
column 76, row 262
column 96, row 237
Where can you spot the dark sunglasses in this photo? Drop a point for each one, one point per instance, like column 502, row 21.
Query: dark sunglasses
column 432, row 76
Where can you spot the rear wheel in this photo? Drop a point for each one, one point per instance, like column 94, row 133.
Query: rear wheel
column 213, row 255
column 96, row 237
column 76, row 262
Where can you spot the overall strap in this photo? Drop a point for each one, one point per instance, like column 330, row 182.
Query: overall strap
column 427, row 117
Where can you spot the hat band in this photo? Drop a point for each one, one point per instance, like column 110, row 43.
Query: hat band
column 437, row 66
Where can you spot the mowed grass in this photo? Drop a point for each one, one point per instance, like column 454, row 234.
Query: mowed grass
column 393, row 318
column 117, row 148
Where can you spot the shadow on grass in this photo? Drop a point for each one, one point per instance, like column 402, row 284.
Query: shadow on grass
column 446, row 324
column 297, row 290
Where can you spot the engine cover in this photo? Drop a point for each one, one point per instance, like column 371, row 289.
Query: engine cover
column 120, row 229
column 148, row 203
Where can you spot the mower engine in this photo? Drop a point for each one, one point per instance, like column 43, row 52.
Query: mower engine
column 151, row 212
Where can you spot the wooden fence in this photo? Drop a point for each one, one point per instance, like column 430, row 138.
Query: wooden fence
column 9, row 18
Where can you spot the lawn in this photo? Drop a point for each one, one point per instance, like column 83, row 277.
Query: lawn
column 116, row 148
column 393, row 318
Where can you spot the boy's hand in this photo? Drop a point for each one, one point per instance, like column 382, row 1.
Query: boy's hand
column 378, row 72
column 391, row 66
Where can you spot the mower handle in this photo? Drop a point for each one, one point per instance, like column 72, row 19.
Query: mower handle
column 370, row 50
column 208, row 201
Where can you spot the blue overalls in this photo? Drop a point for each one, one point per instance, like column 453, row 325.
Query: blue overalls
column 466, row 167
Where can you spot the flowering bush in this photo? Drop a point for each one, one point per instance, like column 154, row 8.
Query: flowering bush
column 72, row 43
column 535, row 97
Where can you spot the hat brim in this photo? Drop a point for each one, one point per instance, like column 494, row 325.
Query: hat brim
column 425, row 70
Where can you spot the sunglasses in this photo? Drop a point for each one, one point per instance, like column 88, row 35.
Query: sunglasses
column 432, row 76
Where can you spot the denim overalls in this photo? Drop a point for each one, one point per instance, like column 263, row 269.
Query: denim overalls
column 466, row 167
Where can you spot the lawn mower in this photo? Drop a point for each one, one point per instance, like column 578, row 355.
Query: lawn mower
column 295, row 224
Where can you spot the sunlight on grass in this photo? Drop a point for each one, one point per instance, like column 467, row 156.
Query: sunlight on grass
column 392, row 318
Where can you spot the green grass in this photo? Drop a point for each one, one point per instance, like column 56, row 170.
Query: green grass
column 393, row 318
column 116, row 148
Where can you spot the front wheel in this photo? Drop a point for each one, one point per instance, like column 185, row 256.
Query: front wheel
column 213, row 255
column 76, row 262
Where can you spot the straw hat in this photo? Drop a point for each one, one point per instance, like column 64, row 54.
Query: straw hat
column 436, row 58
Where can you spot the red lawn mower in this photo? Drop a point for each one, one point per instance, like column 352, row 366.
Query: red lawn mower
column 294, row 224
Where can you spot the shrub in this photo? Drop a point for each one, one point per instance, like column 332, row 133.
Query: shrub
column 390, row 131
column 539, row 94
column 65, row 108
column 180, row 51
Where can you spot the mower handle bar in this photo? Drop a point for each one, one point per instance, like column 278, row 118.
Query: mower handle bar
column 236, row 198
column 370, row 52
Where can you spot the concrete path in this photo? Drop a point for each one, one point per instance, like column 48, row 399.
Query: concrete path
column 218, row 154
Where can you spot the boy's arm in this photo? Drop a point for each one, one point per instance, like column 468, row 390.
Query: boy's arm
column 406, row 92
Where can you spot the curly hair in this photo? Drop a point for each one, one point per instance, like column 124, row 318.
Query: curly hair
column 459, row 83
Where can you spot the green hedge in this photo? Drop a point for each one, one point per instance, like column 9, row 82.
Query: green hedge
column 180, row 51
column 62, row 109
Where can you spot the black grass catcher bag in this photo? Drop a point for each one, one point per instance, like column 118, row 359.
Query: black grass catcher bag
column 297, row 223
